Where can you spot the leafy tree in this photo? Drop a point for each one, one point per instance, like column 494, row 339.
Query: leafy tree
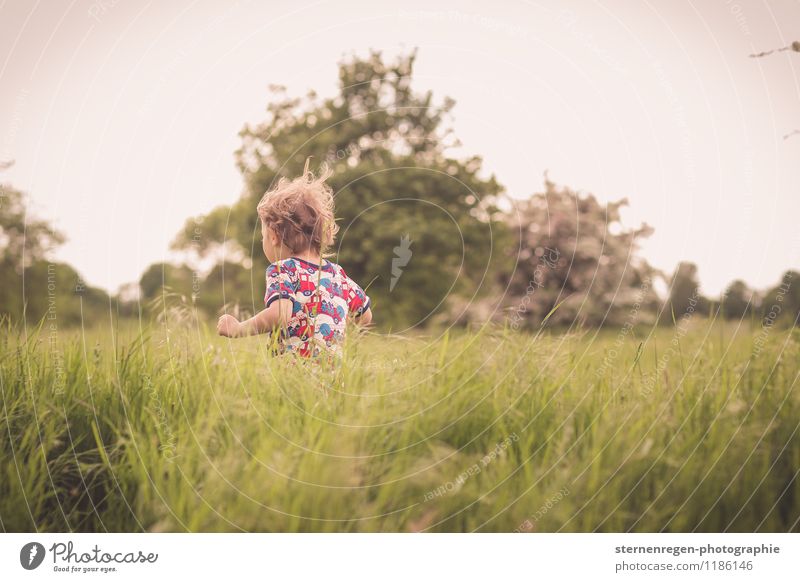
column 684, row 294
column 54, row 291
column 739, row 300
column 229, row 283
column 32, row 284
column 573, row 253
column 160, row 278
column 387, row 145
column 782, row 302
column 24, row 239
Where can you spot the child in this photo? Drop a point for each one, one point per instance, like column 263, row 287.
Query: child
column 309, row 299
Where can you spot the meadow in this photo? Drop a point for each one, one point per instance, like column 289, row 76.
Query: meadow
column 167, row 427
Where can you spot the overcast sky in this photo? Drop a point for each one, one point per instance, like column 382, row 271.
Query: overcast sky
column 122, row 115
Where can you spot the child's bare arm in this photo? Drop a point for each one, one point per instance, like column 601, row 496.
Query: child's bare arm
column 276, row 315
column 365, row 318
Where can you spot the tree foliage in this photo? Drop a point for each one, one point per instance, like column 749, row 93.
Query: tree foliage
column 684, row 294
column 394, row 179
column 429, row 236
column 33, row 285
column 574, row 254
column 739, row 300
column 24, row 239
column 781, row 303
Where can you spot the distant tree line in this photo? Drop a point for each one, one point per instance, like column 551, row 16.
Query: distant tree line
column 431, row 236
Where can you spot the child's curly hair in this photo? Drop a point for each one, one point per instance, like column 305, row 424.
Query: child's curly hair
column 301, row 211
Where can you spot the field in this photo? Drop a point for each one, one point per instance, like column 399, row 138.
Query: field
column 175, row 429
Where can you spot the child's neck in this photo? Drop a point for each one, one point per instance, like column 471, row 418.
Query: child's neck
column 308, row 255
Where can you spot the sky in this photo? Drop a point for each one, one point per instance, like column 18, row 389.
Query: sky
column 122, row 116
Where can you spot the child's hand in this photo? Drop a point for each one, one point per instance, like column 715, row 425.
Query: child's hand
column 228, row 326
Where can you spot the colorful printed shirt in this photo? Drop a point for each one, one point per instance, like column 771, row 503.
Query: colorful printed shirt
column 322, row 298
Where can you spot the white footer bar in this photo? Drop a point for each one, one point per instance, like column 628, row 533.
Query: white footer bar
column 387, row 557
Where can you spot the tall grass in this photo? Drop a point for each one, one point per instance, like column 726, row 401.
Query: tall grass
column 175, row 429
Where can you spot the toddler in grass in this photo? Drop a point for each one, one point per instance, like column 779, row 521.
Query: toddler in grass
column 309, row 299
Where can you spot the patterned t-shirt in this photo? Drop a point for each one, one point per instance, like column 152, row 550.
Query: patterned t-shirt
column 322, row 298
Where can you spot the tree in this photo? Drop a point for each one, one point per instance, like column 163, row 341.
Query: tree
column 160, row 278
column 229, row 283
column 739, row 300
column 684, row 294
column 782, row 302
column 24, row 239
column 387, row 145
column 33, row 284
column 574, row 253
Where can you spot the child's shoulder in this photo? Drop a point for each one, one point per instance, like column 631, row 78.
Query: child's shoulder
column 282, row 267
column 335, row 268
column 292, row 266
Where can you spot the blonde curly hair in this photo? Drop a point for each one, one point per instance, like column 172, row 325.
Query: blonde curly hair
column 300, row 211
